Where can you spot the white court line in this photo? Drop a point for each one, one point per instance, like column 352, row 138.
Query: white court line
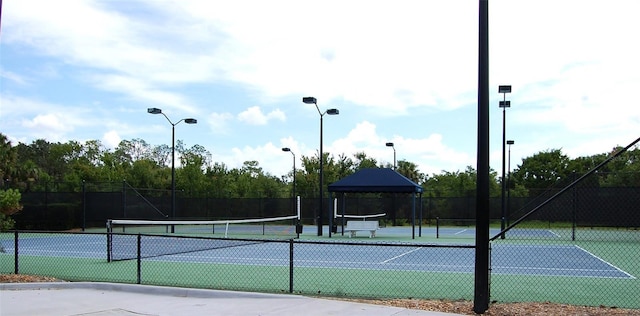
column 604, row 261
column 557, row 270
column 462, row 231
column 401, row 255
column 554, row 233
column 65, row 253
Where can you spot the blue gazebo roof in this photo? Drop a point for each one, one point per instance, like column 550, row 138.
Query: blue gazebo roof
column 376, row 180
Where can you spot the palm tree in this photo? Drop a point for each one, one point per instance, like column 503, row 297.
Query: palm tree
column 410, row 170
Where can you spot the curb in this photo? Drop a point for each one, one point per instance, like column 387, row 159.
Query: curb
column 141, row 289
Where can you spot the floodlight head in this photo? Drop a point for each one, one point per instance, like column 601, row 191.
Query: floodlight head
column 389, row 144
column 154, row 111
column 504, row 89
column 309, row 100
column 333, row 112
column 510, row 142
column 505, row 104
column 286, row 149
column 190, row 121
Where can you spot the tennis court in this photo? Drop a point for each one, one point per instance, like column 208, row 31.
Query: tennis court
column 391, row 265
column 342, row 253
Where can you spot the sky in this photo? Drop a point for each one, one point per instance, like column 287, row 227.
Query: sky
column 398, row 71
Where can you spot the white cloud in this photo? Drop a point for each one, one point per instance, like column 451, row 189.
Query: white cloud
column 574, row 76
column 427, row 153
column 254, row 116
column 219, row 122
column 111, row 139
column 49, row 126
column 13, row 77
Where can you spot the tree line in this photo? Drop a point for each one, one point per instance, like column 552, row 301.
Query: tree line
column 31, row 167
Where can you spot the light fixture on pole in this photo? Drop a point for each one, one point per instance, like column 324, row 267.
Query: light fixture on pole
column 320, row 215
column 294, row 170
column 509, row 142
column 394, row 154
column 504, row 104
column 173, row 156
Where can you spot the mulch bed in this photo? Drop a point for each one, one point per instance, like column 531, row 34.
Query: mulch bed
column 447, row 306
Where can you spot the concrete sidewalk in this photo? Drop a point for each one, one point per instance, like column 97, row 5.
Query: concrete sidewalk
column 109, row 299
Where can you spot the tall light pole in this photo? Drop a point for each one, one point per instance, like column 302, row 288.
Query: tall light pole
column 504, row 104
column 319, row 216
column 173, row 156
column 482, row 280
column 394, row 154
column 509, row 142
column 294, row 171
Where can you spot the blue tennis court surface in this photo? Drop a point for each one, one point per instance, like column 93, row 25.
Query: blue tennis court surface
column 469, row 232
column 542, row 260
column 549, row 260
column 71, row 246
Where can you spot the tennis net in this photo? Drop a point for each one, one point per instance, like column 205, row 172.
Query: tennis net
column 131, row 239
column 341, row 219
column 146, row 239
column 359, row 217
column 275, row 226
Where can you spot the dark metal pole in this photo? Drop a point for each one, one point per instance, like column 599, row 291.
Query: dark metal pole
column 173, row 156
column 502, row 180
column 84, row 204
column 394, row 158
column 509, row 142
column 294, row 178
column 481, row 284
column 291, row 265
column 173, row 175
column 320, row 216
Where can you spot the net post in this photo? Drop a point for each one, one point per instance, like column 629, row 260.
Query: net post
column 437, row 227
column 109, row 239
column 298, row 220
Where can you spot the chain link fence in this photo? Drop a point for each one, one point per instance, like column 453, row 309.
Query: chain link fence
column 336, row 269
column 585, row 239
column 575, row 246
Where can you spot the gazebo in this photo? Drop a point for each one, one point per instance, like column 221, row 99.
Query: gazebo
column 377, row 180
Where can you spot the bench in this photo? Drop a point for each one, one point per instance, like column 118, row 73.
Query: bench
column 355, row 226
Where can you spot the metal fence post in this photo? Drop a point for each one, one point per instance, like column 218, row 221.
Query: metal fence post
column 15, row 252
column 290, row 265
column 139, row 259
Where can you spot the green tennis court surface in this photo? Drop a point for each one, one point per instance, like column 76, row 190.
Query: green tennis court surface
column 390, row 265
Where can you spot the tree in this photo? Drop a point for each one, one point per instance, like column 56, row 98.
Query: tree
column 250, row 182
column 344, row 166
column 453, row 184
column 624, row 170
column 190, row 176
column 161, row 154
column 543, row 170
column 8, row 159
column 218, row 180
column 410, row 170
column 9, row 205
column 362, row 161
column 136, row 149
column 145, row 173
